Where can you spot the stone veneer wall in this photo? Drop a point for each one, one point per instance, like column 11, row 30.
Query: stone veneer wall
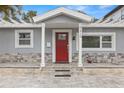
column 19, row 57
column 28, row 57
column 23, row 57
column 36, row 57
column 100, row 57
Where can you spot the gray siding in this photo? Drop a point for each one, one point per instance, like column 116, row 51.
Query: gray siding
column 7, row 40
column 74, row 50
column 48, row 38
column 63, row 19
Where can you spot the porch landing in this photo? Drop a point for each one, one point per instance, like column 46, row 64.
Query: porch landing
column 50, row 64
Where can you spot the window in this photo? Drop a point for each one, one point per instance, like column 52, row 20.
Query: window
column 91, row 42
column 61, row 36
column 24, row 39
column 98, row 41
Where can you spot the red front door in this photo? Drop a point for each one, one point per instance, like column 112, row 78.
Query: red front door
column 62, row 47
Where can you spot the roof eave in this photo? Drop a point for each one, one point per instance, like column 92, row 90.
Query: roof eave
column 62, row 10
column 20, row 26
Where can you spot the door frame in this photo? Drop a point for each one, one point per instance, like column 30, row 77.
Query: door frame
column 54, row 43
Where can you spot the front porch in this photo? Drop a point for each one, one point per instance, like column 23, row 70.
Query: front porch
column 48, row 40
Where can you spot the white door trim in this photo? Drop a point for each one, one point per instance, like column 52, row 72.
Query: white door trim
column 54, row 43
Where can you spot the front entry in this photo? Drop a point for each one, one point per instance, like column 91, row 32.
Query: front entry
column 62, row 55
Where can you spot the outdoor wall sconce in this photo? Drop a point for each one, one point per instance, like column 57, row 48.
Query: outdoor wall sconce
column 73, row 38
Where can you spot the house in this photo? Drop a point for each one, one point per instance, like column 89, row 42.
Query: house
column 62, row 36
column 116, row 15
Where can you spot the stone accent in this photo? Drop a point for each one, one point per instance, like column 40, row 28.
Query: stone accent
column 75, row 57
column 115, row 58
column 48, row 57
column 23, row 57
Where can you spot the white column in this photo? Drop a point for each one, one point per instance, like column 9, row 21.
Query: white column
column 43, row 45
column 80, row 64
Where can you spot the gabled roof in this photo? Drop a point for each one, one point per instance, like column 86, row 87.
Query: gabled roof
column 63, row 10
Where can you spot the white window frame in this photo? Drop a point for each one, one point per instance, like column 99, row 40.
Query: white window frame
column 113, row 34
column 17, row 38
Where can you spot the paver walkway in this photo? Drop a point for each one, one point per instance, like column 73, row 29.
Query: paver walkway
column 41, row 80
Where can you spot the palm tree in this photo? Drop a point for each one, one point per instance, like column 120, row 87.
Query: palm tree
column 10, row 11
column 25, row 17
column 31, row 14
column 5, row 9
column 15, row 11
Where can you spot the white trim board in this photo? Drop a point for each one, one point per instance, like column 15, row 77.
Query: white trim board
column 54, row 43
column 43, row 45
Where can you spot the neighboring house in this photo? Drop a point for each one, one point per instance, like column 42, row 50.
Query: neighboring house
column 116, row 15
column 61, row 36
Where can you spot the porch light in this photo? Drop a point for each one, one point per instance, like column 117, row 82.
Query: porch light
column 74, row 37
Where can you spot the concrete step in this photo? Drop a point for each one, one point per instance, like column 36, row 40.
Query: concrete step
column 66, row 75
column 62, row 65
column 62, row 70
column 55, row 68
column 62, row 73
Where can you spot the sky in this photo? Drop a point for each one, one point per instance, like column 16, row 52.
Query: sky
column 96, row 11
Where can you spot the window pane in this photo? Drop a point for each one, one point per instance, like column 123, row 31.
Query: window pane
column 24, row 35
column 106, row 41
column 90, row 41
column 24, row 42
column 106, row 38
column 106, row 45
column 61, row 36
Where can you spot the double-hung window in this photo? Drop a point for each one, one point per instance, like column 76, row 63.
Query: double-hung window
column 24, row 39
column 98, row 41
